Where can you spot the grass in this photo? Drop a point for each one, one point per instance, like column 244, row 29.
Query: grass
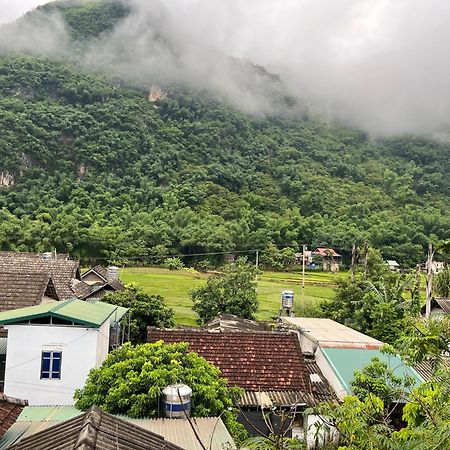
column 174, row 286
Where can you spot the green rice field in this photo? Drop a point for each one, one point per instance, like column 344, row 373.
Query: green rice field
column 174, row 286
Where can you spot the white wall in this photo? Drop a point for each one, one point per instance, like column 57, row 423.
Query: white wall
column 102, row 344
column 82, row 349
column 317, row 433
column 329, row 374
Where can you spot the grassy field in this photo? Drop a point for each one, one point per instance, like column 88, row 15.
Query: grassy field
column 174, row 286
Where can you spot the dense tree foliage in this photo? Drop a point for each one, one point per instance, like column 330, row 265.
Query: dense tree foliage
column 90, row 166
column 131, row 380
column 374, row 303
column 144, row 310
column 232, row 291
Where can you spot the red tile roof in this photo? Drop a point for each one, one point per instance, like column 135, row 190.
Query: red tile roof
column 256, row 361
column 322, row 251
column 10, row 409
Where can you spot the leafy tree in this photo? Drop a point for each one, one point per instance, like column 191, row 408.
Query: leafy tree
column 173, row 263
column 145, row 310
column 231, row 292
column 374, row 304
column 131, row 379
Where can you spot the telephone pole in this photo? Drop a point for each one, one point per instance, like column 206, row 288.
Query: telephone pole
column 429, row 287
column 303, row 276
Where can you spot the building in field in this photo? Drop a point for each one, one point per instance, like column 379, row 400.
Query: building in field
column 328, row 258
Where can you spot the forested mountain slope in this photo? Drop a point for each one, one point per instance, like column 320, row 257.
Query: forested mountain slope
column 89, row 165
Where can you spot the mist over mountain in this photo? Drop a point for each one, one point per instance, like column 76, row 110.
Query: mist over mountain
column 133, row 128
column 371, row 64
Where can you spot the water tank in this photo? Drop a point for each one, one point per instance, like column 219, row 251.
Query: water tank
column 47, row 256
column 176, row 401
column 287, row 299
column 113, row 273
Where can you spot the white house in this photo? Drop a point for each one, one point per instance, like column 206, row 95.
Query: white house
column 52, row 347
column 393, row 265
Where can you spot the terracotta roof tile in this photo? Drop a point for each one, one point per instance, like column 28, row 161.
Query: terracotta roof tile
column 256, row 361
column 21, row 289
column 10, row 409
column 62, row 271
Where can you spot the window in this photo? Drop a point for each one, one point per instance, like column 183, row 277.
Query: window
column 51, row 365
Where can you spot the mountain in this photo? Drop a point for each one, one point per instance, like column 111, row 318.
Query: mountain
column 96, row 165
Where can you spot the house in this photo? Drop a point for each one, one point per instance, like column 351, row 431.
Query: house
column 393, row 265
column 10, row 409
column 268, row 366
column 440, row 306
column 59, row 268
column 95, row 429
column 211, row 430
column 97, row 282
column 328, row 258
column 339, row 351
column 52, row 347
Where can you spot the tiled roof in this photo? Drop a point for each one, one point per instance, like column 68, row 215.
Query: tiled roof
column 98, row 270
column 84, row 290
column 62, row 271
column 325, row 252
column 95, row 429
column 321, row 389
column 10, row 409
column 253, row 361
column 20, row 289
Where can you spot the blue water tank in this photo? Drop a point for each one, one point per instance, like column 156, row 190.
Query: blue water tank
column 287, row 299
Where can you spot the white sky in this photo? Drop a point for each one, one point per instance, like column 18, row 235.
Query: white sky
column 12, row 9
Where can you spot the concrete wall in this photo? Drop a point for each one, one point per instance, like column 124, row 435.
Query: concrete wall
column 92, row 278
column 329, row 374
column 102, row 343
column 82, row 349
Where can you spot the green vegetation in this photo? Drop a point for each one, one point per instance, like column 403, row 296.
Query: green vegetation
column 131, row 379
column 95, row 169
column 145, row 310
column 232, row 291
column 175, row 286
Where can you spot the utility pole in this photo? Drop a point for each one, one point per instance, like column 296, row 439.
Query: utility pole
column 353, row 261
column 429, row 287
column 303, row 277
column 366, row 259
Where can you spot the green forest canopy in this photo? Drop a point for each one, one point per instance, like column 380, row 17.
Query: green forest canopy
column 96, row 169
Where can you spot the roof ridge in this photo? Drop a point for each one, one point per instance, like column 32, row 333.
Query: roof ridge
column 87, row 437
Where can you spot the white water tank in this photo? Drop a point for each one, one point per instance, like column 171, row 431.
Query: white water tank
column 48, row 256
column 287, row 299
column 113, row 273
column 176, row 401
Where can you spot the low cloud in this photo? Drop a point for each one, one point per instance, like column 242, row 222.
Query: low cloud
column 374, row 64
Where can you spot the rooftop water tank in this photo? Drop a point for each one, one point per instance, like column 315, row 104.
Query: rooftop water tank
column 47, row 256
column 176, row 401
column 287, row 299
column 113, row 273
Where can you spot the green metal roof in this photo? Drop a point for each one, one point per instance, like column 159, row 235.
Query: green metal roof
column 346, row 361
column 73, row 310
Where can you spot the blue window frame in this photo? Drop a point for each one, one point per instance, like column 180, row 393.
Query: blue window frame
column 51, row 365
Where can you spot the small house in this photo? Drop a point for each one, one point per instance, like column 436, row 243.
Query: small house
column 394, row 266
column 52, row 347
column 328, row 258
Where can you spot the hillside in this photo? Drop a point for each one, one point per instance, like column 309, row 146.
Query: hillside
column 90, row 166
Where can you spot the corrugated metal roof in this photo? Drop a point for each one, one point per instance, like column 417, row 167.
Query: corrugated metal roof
column 211, row 430
column 267, row 399
column 3, row 345
column 83, row 313
column 345, row 362
column 328, row 333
